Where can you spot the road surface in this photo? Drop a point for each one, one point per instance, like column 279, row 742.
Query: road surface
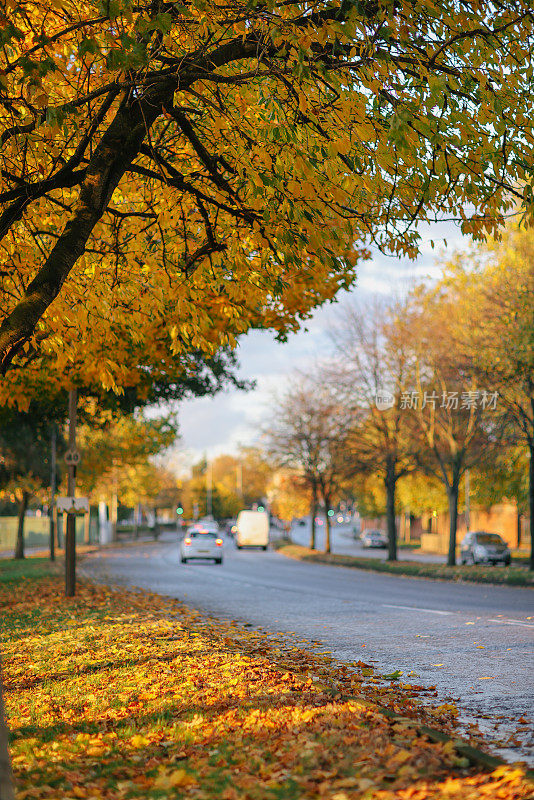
column 344, row 543
column 474, row 642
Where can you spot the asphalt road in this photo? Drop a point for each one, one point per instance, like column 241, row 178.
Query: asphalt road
column 474, row 642
column 343, row 542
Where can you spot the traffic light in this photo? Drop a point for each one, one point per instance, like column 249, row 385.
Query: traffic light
column 179, row 511
column 261, row 508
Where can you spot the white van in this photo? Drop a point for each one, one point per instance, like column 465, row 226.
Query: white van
column 252, row 529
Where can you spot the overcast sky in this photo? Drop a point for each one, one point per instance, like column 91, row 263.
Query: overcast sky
column 220, row 424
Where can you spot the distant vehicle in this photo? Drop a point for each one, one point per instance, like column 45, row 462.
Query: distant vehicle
column 252, row 529
column 374, row 538
column 209, row 524
column 230, row 527
column 480, row 547
column 199, row 542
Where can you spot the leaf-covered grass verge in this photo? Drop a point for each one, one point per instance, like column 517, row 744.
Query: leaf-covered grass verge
column 116, row 694
column 26, row 569
column 512, row 576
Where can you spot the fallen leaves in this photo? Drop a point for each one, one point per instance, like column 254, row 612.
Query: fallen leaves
column 118, row 695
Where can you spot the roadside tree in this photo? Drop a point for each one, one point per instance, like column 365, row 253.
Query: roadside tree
column 496, row 289
column 371, row 371
column 25, row 468
column 117, row 459
column 289, row 495
column 307, row 434
column 454, row 424
column 179, row 173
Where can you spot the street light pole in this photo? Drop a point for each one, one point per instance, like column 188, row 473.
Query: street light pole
column 70, row 538
column 209, row 483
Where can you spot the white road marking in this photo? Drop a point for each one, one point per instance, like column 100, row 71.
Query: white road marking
column 414, row 608
column 513, row 622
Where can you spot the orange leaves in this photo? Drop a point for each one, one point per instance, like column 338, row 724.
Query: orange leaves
column 170, row 780
column 137, row 696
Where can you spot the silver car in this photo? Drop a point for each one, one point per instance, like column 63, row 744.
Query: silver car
column 200, row 542
column 374, row 538
column 479, row 547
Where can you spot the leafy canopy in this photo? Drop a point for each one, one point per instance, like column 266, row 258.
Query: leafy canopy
column 181, row 172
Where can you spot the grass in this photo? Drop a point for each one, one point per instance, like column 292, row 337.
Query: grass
column 114, row 695
column 515, row 575
column 28, row 568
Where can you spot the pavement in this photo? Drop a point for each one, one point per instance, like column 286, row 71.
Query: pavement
column 473, row 642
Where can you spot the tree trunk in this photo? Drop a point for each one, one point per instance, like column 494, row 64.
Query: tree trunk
column 519, row 525
column 452, row 495
column 313, row 512
column 328, row 525
column 119, row 145
column 6, row 778
column 531, row 500
column 391, row 485
column 19, row 546
column 87, row 527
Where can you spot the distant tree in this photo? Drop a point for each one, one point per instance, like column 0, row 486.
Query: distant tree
column 25, row 455
column 289, row 493
column 453, row 424
column 495, row 287
column 117, row 458
column 371, row 371
column 306, row 433
column 504, row 478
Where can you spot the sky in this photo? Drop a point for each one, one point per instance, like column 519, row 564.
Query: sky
column 213, row 425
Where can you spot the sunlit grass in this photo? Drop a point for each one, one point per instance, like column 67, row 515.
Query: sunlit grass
column 128, row 695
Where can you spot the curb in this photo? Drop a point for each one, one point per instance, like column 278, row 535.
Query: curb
column 394, row 573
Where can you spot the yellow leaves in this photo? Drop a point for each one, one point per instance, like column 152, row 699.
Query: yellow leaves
column 170, row 780
column 264, row 727
column 139, row 741
column 342, row 145
column 303, row 103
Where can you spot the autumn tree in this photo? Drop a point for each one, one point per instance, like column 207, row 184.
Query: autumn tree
column 117, row 458
column 453, row 424
column 289, row 495
column 245, row 475
column 25, row 454
column 496, row 290
column 179, row 173
column 306, row 433
column 371, row 370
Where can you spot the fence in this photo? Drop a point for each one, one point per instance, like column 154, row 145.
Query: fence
column 37, row 531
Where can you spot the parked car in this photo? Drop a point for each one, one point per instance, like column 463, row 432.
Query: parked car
column 480, row 547
column 199, row 542
column 374, row 538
